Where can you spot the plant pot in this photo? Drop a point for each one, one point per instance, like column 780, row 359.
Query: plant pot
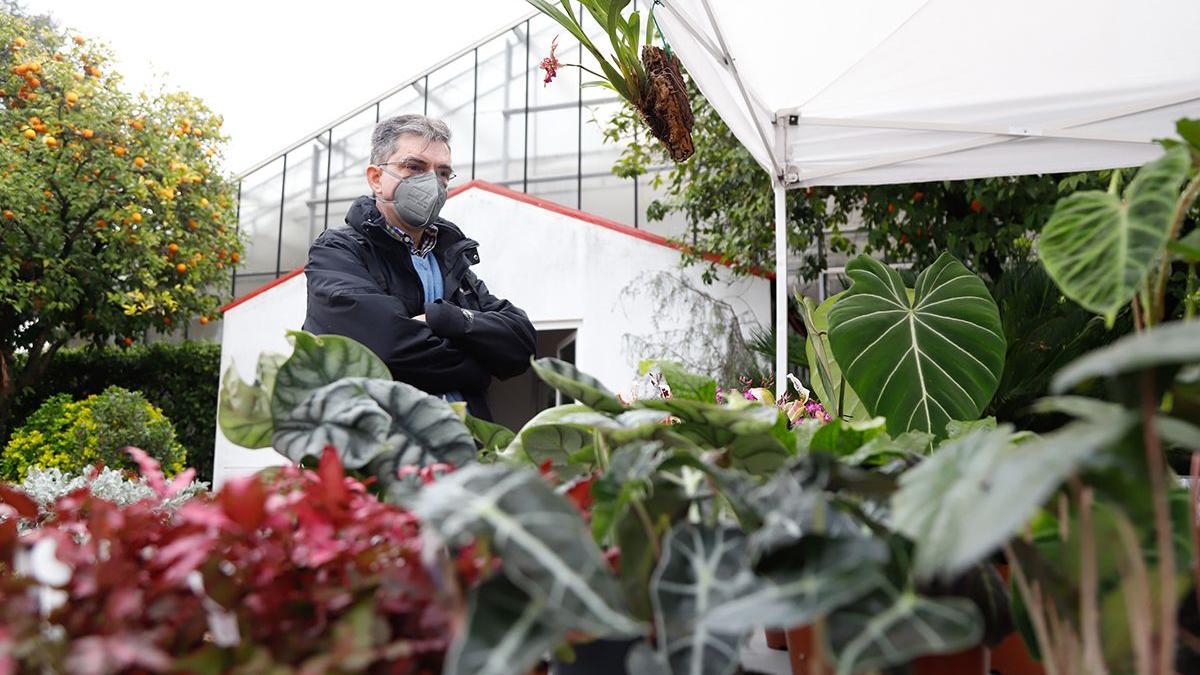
column 801, row 652
column 776, row 639
column 970, row 662
column 665, row 107
column 598, row 657
column 1012, row 657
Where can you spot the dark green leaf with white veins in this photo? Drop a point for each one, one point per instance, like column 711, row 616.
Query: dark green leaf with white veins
column 244, row 410
column 317, row 361
column 890, row 627
column 803, row 583
column 1099, row 247
column 493, row 437
column 507, row 632
column 839, row 397
column 701, row 568
column 569, row 381
column 924, row 362
column 366, row 419
column 545, row 545
column 548, row 437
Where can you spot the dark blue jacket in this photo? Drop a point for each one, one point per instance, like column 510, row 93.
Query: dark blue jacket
column 362, row 284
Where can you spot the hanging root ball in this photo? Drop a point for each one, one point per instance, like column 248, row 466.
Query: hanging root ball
column 667, row 111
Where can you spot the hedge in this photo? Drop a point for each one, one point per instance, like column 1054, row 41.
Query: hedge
column 181, row 379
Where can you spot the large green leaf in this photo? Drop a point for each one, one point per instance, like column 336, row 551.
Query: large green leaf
column 545, row 546
column 891, row 627
column 1099, row 248
column 491, row 437
column 977, row 490
column 804, row 583
column 507, row 632
column 628, row 477
column 702, row 568
column 1168, row 344
column 244, row 410
column 838, row 398
column 365, row 419
column 317, row 361
column 714, row 425
column 922, row 362
column 577, row 385
column 840, row 437
column 547, row 437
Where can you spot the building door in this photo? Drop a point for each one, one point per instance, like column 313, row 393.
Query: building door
column 514, row 402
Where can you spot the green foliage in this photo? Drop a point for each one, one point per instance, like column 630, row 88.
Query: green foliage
column 923, row 359
column 1100, row 247
column 115, row 216
column 726, row 199
column 70, row 435
column 180, row 379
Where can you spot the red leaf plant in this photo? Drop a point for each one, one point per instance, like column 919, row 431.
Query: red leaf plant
column 300, row 568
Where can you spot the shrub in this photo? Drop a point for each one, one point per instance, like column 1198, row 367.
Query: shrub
column 70, row 435
column 181, row 379
column 304, row 572
column 47, row 486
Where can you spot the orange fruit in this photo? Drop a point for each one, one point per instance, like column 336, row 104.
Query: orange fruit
column 137, row 124
column 181, row 268
column 119, row 150
column 137, row 217
column 48, row 194
column 192, row 224
column 101, row 223
column 30, row 134
column 139, row 162
column 72, row 98
column 51, row 141
column 127, row 341
column 35, row 67
column 166, row 321
column 234, row 256
column 173, row 248
column 9, row 215
column 87, row 133
column 203, row 320
column 33, row 82
column 78, row 39
column 18, row 42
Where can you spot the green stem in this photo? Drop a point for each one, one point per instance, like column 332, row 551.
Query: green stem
column 1162, row 525
column 1190, row 193
column 648, row 527
column 1189, row 298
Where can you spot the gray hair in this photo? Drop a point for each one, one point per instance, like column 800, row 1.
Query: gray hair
column 383, row 139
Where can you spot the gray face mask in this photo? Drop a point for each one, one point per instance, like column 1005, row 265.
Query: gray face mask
column 418, row 199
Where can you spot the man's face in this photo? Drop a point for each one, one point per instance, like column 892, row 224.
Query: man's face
column 413, row 155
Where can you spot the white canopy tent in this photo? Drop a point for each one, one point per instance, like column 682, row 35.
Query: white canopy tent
column 867, row 92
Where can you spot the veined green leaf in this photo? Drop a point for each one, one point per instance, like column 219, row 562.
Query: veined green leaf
column 571, row 382
column 830, row 387
column 921, row 362
column 1168, row 344
column 507, row 632
column 545, row 545
column 317, row 361
column 1099, row 248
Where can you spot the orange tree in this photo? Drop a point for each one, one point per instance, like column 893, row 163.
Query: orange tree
column 113, row 215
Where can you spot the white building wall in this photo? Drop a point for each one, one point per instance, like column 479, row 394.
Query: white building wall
column 561, row 267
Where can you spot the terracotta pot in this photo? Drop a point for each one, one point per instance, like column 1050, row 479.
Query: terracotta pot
column 1012, row 657
column 776, row 639
column 970, row 662
column 800, row 650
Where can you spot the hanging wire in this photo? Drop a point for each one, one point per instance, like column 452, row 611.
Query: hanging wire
column 661, row 37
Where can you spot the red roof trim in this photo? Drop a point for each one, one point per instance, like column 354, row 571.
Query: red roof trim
column 542, row 204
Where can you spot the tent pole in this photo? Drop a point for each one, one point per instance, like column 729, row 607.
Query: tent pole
column 781, row 290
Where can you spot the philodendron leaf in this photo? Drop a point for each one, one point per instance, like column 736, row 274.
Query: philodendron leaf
column 628, row 426
column 507, row 632
column 840, row 437
column 1099, row 247
column 367, row 419
column 576, row 385
column 545, row 546
column 838, row 398
column 683, row 384
column 547, row 437
column 317, row 361
column 244, row 410
column 922, row 362
column 491, row 436
column 701, row 568
column 977, row 490
column 714, row 425
column 803, row 583
column 891, row 627
column 1168, row 344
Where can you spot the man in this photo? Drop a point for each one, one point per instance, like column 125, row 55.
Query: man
column 397, row 278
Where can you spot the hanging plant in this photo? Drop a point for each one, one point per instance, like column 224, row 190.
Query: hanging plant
column 652, row 84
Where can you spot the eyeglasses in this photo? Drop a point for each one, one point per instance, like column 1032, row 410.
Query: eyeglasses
column 415, row 166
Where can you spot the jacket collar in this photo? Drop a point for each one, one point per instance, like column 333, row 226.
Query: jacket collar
column 364, row 217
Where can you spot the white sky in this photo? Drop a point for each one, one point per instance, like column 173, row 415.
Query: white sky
column 278, row 70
